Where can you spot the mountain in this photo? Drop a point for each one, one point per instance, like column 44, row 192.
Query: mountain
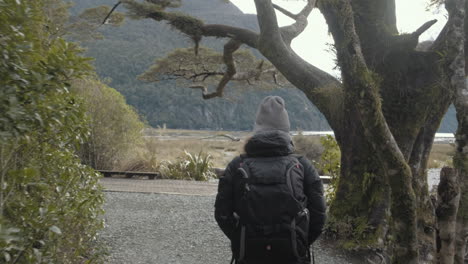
column 128, row 50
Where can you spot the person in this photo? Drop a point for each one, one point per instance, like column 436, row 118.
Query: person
column 270, row 202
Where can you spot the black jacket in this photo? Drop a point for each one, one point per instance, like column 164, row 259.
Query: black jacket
column 268, row 144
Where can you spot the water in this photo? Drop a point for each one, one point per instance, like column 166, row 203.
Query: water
column 439, row 137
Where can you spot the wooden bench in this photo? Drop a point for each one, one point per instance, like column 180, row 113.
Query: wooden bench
column 129, row 174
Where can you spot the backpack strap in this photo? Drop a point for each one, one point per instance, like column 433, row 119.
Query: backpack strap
column 244, row 172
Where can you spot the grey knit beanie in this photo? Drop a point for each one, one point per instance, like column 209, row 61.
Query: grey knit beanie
column 272, row 115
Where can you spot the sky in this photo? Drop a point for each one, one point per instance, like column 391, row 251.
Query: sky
column 314, row 43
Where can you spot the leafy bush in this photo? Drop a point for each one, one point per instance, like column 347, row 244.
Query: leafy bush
column 115, row 127
column 52, row 207
column 50, row 204
column 196, row 167
column 142, row 158
column 308, row 146
column 329, row 164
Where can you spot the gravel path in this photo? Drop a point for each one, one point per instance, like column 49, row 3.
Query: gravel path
column 173, row 223
column 160, row 186
column 166, row 229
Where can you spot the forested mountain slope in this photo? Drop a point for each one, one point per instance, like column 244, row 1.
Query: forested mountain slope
column 127, row 51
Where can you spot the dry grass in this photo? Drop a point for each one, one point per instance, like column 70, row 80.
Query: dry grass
column 162, row 145
column 441, row 155
column 222, row 151
column 308, row 146
column 169, row 144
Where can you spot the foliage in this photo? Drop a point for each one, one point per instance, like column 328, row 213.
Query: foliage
column 329, row 164
column 83, row 27
column 50, row 204
column 115, row 127
column 190, row 166
column 30, row 74
column 308, row 146
column 143, row 158
column 206, row 67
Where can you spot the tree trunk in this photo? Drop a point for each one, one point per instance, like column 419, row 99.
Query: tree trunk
column 461, row 241
column 361, row 88
column 415, row 92
column 447, row 207
column 360, row 210
column 460, row 162
column 457, row 72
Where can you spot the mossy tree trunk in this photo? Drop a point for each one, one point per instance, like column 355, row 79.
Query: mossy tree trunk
column 448, row 193
column 460, row 162
column 384, row 112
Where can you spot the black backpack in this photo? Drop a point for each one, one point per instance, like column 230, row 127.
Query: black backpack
column 273, row 220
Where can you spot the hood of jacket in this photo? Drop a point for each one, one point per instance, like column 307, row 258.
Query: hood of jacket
column 269, row 144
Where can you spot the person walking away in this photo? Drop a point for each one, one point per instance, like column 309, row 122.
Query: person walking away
column 270, row 203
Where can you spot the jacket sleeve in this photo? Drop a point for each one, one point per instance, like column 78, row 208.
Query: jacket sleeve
column 224, row 204
column 313, row 189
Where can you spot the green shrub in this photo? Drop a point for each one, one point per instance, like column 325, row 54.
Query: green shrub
column 53, row 206
column 115, row 127
column 308, row 146
column 329, row 164
column 50, row 204
column 196, row 167
column 142, row 158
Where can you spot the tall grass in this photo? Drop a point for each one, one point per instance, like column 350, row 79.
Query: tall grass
column 441, row 155
column 184, row 158
column 174, row 150
column 308, row 146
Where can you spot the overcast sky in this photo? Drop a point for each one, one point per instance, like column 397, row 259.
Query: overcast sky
column 313, row 43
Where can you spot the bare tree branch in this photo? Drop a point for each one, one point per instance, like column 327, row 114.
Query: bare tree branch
column 267, row 21
column 424, row 27
column 292, row 31
column 254, row 74
column 304, row 12
column 110, row 13
column 409, row 42
column 449, row 32
column 246, row 36
column 229, row 49
column 285, row 12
